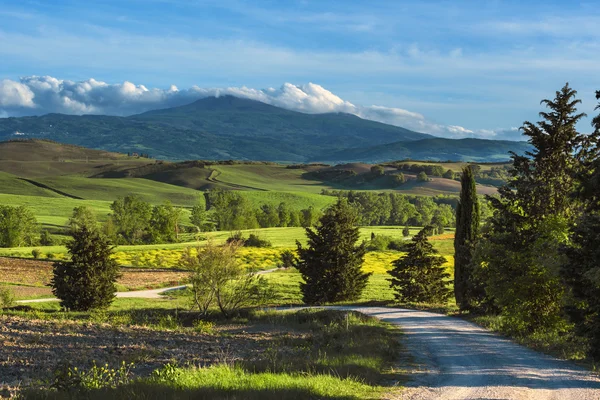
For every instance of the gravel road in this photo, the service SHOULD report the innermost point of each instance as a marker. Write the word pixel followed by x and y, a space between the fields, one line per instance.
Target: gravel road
pixel 460 360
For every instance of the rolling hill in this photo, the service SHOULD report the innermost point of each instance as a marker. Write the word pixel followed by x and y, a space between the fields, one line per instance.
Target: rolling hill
pixel 435 149
pixel 221 128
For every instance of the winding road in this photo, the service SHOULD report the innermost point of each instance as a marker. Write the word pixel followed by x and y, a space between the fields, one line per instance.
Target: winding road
pixel 460 360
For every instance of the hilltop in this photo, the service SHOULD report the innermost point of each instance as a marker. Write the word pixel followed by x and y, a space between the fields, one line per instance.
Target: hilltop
pixel 227 127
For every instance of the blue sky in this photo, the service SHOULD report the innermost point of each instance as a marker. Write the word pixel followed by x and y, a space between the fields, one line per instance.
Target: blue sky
pixel 482 66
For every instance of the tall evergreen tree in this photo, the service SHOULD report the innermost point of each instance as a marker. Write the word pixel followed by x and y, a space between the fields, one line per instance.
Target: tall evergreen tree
pixel 467 231
pixel 88 281
pixel 531 218
pixel 419 276
pixel 331 265
pixel 581 273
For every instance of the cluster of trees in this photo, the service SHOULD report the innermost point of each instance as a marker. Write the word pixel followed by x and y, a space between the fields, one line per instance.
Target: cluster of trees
pixel 537 262
pixel 376 208
pixel 427 169
pixel 331 264
pixel 134 221
pixel 232 211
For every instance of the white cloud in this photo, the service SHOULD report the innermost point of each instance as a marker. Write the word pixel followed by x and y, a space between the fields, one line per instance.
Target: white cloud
pixel 36 95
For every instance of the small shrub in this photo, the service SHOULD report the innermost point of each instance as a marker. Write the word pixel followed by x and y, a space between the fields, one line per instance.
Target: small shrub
pixel 69 378
pixel 255 241
pixel 204 327
pixel 36 253
pixel 288 259
pixel 406 231
pixel 46 239
pixel 236 237
pixel 7 298
pixel 50 256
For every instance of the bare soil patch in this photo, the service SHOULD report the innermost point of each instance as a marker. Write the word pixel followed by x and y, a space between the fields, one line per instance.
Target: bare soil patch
pixel 33 276
pixel 32 349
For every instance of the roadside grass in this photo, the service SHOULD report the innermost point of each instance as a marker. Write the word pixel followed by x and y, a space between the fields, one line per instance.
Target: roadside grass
pixel 565 345
pixel 327 354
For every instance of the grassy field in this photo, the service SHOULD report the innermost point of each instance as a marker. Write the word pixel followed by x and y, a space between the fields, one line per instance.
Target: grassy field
pixel 55 211
pixel 110 189
pixel 279 238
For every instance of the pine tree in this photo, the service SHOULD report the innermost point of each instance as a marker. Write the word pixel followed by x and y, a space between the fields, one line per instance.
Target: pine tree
pixel 88 281
pixel 531 219
pixel 581 273
pixel 331 266
pixel 467 231
pixel 419 276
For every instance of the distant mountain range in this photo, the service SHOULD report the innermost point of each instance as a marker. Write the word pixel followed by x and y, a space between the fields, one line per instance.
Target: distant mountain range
pixel 228 127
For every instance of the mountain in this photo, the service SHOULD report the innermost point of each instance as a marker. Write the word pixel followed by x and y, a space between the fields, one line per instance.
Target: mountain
pixel 435 149
pixel 228 127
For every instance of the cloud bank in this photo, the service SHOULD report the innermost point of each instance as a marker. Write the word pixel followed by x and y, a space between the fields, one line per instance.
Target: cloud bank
pixel 37 95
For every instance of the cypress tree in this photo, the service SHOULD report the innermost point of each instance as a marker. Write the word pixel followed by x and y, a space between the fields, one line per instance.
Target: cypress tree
pixel 331 266
pixel 467 231
pixel 88 281
pixel 419 276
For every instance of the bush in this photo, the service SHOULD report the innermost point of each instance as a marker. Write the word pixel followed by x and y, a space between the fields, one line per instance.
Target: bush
pixel 422 177
pixel 406 232
pixel 7 298
pixel 217 278
pixel 46 239
pixel 255 241
pixel 36 253
pixel 288 259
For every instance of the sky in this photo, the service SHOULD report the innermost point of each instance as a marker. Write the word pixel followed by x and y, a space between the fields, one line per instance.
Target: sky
pixel 449 68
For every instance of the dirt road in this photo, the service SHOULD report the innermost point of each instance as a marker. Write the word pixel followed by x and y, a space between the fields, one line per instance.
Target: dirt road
pixel 460 360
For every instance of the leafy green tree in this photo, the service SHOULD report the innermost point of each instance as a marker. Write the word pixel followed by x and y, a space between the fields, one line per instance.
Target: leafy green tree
pixel 231 211
pixel 449 174
pixel 398 179
pixel 422 177
pixel 331 265
pixel 82 216
pixel 285 215
pixel 198 216
pixel 18 227
pixel 131 217
pixel 466 235
pixel 164 223
pixel 88 281
pixel 46 239
pixel 419 276
pixel 218 278
pixel 309 216
pixel 268 216
pixel 377 170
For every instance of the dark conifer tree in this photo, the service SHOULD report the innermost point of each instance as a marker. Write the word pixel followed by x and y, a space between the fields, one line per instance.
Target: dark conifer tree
pixel 88 281
pixel 467 231
pixel 531 218
pixel 581 273
pixel 419 276
pixel 331 265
